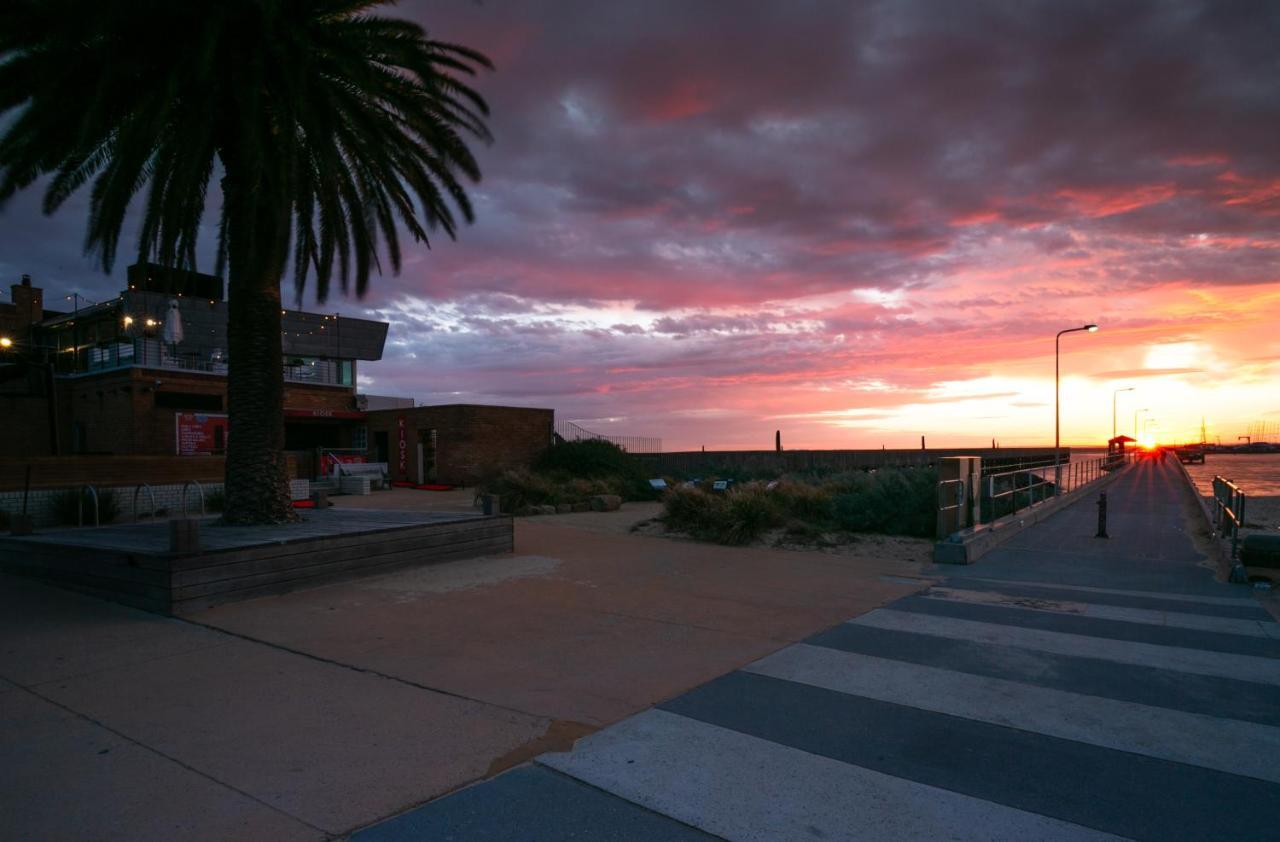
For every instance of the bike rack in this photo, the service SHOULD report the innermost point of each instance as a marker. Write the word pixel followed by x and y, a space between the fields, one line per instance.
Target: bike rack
pixel 138 490
pixel 80 505
pixel 199 488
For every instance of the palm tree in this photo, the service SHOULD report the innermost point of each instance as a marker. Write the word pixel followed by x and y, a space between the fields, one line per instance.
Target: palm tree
pixel 329 127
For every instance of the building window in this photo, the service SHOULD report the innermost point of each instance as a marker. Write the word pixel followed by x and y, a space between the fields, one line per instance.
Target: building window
pixel 360 438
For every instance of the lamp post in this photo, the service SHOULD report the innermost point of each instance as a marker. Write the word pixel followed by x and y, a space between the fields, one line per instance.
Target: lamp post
pixel 1057 416
pixel 1113 407
pixel 1136 412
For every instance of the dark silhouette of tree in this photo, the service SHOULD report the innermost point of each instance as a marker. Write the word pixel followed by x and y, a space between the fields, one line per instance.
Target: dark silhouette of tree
pixel 328 127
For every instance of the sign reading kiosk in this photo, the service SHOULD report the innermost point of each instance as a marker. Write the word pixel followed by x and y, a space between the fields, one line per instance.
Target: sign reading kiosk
pixel 199 433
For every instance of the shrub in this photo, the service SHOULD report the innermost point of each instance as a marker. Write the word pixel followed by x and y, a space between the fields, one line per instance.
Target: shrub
pixel 890 501
pixel 803 501
pixel 694 511
pixel 596 459
pixel 66 506
pixel 519 488
pixel 738 516
pixel 750 512
pixel 593 458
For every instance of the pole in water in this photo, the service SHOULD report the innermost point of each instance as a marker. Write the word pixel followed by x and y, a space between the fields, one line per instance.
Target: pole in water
pixel 1102 516
pixel 922 442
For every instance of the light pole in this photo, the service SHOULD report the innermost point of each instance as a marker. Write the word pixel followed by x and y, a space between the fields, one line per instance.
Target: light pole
pixel 1135 420
pixel 1057 416
pixel 1113 408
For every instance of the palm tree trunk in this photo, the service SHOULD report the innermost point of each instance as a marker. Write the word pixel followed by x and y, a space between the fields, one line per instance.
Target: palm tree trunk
pixel 257 481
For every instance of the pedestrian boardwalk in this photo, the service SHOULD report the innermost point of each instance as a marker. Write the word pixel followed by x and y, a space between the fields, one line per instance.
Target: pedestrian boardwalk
pixel 1064 687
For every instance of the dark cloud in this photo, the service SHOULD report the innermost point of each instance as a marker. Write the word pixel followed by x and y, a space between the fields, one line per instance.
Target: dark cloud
pixel 692 170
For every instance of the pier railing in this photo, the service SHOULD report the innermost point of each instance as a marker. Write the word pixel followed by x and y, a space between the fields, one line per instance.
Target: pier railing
pixel 1009 492
pixel 1228 502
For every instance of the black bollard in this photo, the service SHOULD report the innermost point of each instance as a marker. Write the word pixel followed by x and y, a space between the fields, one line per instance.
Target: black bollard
pixel 1102 516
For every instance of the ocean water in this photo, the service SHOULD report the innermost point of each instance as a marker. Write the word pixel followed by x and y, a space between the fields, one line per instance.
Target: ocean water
pixel 1257 474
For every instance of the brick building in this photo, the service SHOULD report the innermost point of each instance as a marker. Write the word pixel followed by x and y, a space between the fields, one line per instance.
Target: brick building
pixel 457 444
pixel 145 374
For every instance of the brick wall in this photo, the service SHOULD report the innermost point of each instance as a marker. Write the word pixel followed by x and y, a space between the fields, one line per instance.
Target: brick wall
pixel 26 425
pixel 118 413
pixel 472 441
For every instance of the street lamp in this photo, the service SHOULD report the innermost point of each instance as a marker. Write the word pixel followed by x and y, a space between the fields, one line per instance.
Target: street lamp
pixel 1113 408
pixel 1135 420
pixel 1057 418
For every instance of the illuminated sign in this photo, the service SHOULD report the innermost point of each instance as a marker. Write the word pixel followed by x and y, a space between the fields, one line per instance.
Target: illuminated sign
pixel 199 433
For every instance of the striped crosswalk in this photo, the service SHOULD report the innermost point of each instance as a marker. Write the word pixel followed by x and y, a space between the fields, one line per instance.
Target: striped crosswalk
pixel 1031 734
pixel 1027 700
pixel 974 710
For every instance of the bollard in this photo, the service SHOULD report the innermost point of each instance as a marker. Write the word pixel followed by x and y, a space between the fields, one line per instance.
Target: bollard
pixel 490 503
pixel 320 498
pixel 1102 516
pixel 184 535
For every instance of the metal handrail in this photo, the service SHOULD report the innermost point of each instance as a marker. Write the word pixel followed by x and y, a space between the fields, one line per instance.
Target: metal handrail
pixel 1076 476
pixel 150 493
pixel 199 488
pixel 80 505
pixel 961 492
pixel 1228 511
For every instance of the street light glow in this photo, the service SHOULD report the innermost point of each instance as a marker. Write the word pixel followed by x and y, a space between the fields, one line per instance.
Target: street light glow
pixel 1091 328
pixel 6 342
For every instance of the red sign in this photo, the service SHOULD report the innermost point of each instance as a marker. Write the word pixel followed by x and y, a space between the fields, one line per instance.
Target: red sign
pixel 328 461
pixel 404 449
pixel 197 434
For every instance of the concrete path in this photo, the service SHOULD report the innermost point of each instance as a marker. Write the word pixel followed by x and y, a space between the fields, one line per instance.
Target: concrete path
pixel 1064 687
pixel 310 715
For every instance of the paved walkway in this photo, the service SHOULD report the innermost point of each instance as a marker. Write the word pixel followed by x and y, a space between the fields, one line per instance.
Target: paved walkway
pixel 1064 687
pixel 312 714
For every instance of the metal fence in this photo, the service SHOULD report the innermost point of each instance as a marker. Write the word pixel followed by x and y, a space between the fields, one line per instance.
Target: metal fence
pixel 569 431
pixel 1006 493
pixel 1228 517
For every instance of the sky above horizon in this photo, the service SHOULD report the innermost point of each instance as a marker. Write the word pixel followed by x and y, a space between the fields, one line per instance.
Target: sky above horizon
pixel 856 223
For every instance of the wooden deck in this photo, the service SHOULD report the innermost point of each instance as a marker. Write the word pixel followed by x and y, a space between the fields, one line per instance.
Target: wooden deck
pixel 132 564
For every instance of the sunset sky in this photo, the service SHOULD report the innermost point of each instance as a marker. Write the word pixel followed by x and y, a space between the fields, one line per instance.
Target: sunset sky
pixel 853 222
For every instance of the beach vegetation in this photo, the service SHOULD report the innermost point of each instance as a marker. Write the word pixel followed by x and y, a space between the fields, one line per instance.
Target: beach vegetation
pixel 570 472
pixel 890 501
